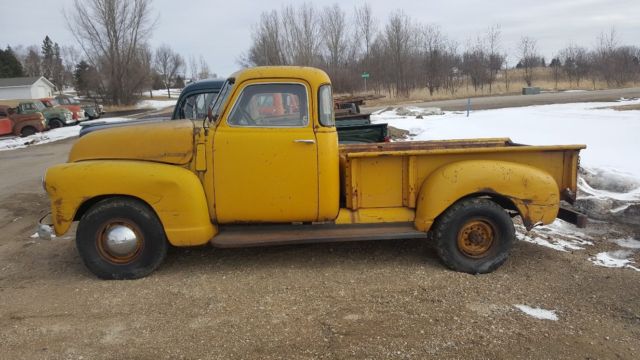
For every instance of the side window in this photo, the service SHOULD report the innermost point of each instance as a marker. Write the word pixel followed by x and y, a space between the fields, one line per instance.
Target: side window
pixel 271 105
pixel 195 106
pixel 325 106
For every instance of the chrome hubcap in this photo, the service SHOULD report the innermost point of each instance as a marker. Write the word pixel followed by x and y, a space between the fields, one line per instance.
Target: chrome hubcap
pixel 121 241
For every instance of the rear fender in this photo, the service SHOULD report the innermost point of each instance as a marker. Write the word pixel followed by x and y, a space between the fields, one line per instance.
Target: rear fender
pixel 174 193
pixel 533 192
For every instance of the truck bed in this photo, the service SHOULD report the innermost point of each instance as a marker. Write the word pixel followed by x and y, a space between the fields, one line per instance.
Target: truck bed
pixel 389 175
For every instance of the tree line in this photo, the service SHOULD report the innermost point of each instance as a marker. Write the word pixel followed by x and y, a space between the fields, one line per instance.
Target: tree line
pixel 403 55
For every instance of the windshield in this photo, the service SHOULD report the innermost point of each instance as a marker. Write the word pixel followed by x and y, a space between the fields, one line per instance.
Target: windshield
pixel 39 105
pixel 73 101
pixel 216 108
pixel 52 102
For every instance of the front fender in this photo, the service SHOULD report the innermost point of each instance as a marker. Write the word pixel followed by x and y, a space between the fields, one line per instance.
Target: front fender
pixel 533 192
pixel 175 194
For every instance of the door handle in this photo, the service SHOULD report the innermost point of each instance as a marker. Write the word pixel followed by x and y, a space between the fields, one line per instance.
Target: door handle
pixel 304 141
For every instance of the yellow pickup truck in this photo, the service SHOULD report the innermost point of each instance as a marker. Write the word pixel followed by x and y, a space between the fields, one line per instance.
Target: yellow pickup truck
pixel 245 177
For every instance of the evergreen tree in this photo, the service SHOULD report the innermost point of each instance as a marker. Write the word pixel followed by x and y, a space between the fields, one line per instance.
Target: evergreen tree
pixel 57 75
pixel 9 64
pixel 47 58
pixel 81 76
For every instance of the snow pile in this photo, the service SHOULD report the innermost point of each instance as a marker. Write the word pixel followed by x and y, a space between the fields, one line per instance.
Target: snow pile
pixel 614 259
pixel 538 313
pixel 156 104
pixel 14 142
pixel 417 112
pixel 560 235
pixel 609 195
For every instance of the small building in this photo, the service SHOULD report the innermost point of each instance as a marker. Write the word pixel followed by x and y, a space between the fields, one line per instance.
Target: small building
pixel 35 87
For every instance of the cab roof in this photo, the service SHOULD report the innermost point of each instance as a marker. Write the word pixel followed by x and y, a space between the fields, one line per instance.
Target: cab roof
pixel 16 102
pixel 314 76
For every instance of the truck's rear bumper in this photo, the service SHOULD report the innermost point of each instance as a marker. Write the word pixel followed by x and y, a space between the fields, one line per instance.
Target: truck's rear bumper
pixel 572 216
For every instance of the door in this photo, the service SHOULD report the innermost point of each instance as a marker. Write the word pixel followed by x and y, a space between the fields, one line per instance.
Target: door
pixel 265 156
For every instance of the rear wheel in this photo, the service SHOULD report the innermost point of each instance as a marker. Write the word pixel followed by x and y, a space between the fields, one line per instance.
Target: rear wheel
pixel 474 236
pixel 121 238
pixel 55 123
pixel 27 131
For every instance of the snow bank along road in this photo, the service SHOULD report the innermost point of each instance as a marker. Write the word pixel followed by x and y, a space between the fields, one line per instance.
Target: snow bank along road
pixel 564 293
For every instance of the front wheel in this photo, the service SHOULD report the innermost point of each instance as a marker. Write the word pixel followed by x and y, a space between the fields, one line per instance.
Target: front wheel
pixel 55 123
pixel 474 236
pixel 121 238
pixel 27 131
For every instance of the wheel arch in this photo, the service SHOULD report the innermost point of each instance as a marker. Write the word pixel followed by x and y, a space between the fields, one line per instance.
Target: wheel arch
pixel 174 194
pixel 530 191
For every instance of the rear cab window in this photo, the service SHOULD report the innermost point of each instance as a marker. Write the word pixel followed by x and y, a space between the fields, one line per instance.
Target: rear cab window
pixel 325 106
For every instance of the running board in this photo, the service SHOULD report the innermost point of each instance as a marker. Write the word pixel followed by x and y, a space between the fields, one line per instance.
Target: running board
pixel 263 235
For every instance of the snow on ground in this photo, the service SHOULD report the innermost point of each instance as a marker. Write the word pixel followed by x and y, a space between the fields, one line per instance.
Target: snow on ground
pixel 560 235
pixel 628 243
pixel 156 104
pixel 611 136
pixel 614 259
pixel 15 142
pixel 163 92
pixel 538 313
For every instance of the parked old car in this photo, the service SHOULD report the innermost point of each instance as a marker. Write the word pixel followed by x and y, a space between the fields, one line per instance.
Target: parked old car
pixel 240 178
pixel 92 110
pixel 78 114
pixel 17 124
pixel 56 116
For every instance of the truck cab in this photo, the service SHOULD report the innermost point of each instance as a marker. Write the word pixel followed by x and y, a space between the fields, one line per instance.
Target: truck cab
pixel 20 124
pixel 55 117
pixel 248 177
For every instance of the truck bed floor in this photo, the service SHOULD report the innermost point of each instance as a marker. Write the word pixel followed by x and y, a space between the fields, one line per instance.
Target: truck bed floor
pixel 263 235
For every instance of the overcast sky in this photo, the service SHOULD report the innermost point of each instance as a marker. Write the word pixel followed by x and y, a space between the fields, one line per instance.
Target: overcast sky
pixel 221 30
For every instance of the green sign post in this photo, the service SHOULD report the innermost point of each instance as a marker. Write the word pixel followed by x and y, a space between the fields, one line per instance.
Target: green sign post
pixel 365 76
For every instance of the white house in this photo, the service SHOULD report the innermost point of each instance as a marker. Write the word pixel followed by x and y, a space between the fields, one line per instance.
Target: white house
pixel 36 87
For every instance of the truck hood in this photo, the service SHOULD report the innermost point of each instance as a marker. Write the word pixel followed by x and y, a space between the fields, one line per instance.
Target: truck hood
pixel 168 142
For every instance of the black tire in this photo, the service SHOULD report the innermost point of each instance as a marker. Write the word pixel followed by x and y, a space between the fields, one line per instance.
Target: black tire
pixel 27 131
pixel 150 250
pixel 55 123
pixel 474 236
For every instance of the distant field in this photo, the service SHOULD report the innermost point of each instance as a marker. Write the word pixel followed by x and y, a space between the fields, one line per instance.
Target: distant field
pixel 543 79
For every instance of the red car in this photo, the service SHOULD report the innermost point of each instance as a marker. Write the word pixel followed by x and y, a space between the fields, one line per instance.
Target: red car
pixel 78 112
pixel 20 124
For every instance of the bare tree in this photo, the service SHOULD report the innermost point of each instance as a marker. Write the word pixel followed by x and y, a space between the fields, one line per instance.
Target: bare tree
pixel 112 34
pixel 576 63
pixel 438 59
pixel 168 63
pixel 366 28
pixel 302 35
pixel 335 42
pixel 400 45
pixel 33 62
pixel 475 63
pixel 266 48
pixel 204 72
pixel 193 68
pixel 529 58
pixel 496 59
